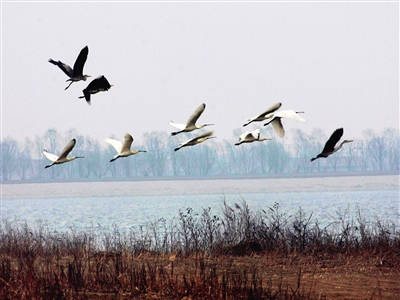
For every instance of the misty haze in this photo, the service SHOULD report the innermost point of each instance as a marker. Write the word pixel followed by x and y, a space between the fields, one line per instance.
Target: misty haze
pixel 199 150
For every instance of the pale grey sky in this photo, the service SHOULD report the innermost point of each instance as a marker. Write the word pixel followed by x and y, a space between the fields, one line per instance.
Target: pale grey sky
pixel 337 61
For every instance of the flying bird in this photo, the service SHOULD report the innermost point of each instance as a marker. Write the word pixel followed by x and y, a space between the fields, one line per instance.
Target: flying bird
pixel 286 114
pixel 56 160
pixel 124 150
pixel 196 140
pixel 75 74
pixel 99 84
pixel 330 144
pixel 250 136
pixel 191 123
pixel 265 115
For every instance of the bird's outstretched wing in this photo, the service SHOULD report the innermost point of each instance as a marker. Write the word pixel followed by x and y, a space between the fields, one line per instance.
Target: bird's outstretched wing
pixel 64 153
pixel 335 137
pixel 127 143
pixel 273 108
pixel 244 135
pixel 64 67
pixel 100 83
pixel 177 125
pixel 277 125
pixel 256 133
pixel 50 156
pixel 80 61
pixel 116 144
pixel 205 134
pixel 264 114
pixel 197 113
pixel 195 140
pixel 103 83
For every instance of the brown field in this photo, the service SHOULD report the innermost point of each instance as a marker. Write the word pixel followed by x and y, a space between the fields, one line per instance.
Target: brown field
pixel 240 255
pixel 117 275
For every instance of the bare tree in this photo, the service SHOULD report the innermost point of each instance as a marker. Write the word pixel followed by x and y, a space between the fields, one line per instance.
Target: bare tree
pixel 176 163
pixel 273 156
pixel 228 158
pixel 24 160
pixel 188 159
pixel 362 157
pixel 392 139
pixel 349 156
pixel 307 147
pixel 157 152
pixel 207 158
pixel 377 149
pixel 9 156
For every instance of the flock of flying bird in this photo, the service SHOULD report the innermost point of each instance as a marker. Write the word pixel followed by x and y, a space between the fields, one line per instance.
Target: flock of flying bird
pixel 101 84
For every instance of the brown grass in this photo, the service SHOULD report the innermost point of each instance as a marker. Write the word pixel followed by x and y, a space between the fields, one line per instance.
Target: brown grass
pixel 239 255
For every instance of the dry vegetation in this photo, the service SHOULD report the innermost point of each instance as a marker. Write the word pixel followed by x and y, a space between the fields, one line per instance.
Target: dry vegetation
pixel 239 255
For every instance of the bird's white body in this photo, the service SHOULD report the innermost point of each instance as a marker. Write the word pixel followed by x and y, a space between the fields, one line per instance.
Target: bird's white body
pixel 191 123
pixel 123 149
pixel 62 158
pixel 250 136
pixel 196 140
pixel 283 114
pixel 265 115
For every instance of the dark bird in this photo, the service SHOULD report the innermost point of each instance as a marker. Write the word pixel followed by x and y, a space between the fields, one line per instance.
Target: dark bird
pixel 99 84
pixel 196 140
pixel 191 122
pixel 330 144
pixel 265 115
pixel 124 150
pixel 62 158
pixel 75 74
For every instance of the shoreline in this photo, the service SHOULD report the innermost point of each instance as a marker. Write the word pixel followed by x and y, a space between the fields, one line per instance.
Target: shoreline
pixel 188 186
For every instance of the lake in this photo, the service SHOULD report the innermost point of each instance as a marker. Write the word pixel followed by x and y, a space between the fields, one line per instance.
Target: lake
pixel 130 204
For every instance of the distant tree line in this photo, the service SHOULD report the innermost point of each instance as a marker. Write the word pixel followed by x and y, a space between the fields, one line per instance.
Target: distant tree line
pixel 25 161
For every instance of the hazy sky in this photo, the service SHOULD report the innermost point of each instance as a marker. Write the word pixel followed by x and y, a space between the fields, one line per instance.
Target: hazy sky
pixel 338 62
